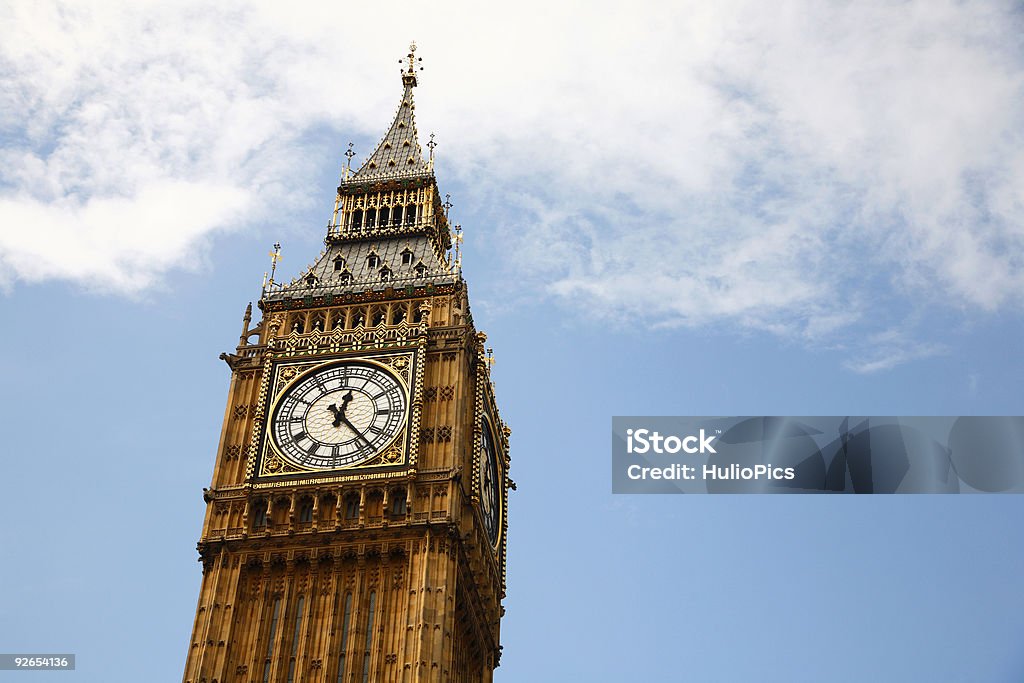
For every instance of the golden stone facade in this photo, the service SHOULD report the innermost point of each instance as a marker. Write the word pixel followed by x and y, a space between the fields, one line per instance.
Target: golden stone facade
pixel 355 526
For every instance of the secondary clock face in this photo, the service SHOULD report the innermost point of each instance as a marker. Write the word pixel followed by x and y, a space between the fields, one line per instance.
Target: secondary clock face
pixel 339 416
pixel 490 498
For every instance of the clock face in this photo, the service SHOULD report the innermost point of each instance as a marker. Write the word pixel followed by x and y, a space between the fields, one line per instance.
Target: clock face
pixel 490 498
pixel 339 416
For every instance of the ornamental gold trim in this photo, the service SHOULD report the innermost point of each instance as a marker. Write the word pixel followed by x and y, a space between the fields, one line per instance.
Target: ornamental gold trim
pixel 265 459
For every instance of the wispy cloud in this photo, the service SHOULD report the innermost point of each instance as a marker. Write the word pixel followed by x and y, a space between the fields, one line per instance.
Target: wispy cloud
pixel 885 350
pixel 791 167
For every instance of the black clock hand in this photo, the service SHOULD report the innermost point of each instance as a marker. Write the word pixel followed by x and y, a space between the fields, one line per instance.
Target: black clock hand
pixel 355 431
pixel 339 413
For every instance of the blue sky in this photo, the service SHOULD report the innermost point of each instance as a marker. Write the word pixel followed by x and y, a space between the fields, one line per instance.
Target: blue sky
pixel 706 209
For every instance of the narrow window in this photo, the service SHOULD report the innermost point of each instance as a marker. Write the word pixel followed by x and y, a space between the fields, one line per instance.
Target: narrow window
pixel 346 278
pixel 259 519
pixel 339 263
pixel 351 508
pixel 357 219
pixel 372 261
pixel 398 504
pixel 344 636
pixel 385 275
pixel 270 640
pixel 421 270
pixel 371 218
pixel 396 215
pixel 385 216
pixel 295 638
pixel 369 637
pixel 417 315
pixel 378 318
pixel 410 214
pixel 397 315
pixel 406 257
pixel 306 511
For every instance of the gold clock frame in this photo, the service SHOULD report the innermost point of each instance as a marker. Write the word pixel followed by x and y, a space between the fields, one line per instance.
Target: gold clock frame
pixel 396 459
pixel 487 422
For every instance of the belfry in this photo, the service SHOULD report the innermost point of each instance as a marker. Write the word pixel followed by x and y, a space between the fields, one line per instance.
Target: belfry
pixel 355 526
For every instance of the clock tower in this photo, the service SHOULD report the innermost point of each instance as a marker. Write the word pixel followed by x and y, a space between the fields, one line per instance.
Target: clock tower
pixel 355 526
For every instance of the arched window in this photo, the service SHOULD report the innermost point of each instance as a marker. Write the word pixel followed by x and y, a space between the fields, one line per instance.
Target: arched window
pixel 369 636
pixel 417 315
pixel 357 219
pixel 295 638
pixel 351 508
pixel 346 620
pixel 306 511
pixel 378 317
pixel 398 504
pixel 259 515
pixel 397 314
pixel 270 639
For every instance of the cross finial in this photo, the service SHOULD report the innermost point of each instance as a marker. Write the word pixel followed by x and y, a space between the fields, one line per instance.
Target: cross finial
pixel 275 256
pixel 409 75
pixel 458 246
pixel 349 153
pixel 447 204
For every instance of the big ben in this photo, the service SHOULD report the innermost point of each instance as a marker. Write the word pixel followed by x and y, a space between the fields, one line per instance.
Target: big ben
pixel 355 526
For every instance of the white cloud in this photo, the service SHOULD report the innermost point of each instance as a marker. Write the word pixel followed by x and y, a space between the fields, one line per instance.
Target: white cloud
pixel 785 166
pixel 891 348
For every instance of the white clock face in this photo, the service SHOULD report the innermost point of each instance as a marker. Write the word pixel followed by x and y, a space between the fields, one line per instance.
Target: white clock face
pixel 339 416
pixel 490 491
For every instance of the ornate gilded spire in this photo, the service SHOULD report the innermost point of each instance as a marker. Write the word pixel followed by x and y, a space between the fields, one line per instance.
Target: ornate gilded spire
pixel 399 153
pixel 409 77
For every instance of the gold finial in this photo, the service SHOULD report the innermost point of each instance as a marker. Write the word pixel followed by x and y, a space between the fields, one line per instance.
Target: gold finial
pixel 409 75
pixel 275 256
pixel 431 145
pixel 348 163
pixel 458 246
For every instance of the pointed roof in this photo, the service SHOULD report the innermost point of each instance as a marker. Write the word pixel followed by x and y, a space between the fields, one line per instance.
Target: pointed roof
pixel 398 154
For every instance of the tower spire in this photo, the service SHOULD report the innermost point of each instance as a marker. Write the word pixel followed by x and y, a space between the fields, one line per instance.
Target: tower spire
pixel 398 154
